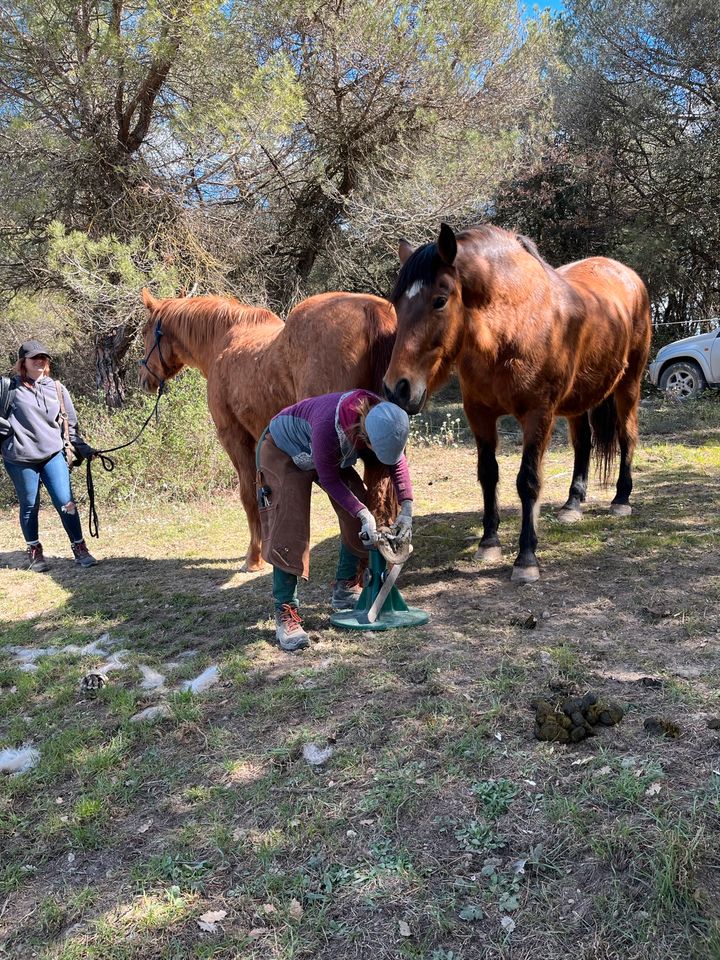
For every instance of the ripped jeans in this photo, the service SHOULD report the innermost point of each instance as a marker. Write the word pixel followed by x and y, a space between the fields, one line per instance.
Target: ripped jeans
pixel 55 476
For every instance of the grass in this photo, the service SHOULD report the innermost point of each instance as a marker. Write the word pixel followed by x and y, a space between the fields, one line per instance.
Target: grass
pixel 439 829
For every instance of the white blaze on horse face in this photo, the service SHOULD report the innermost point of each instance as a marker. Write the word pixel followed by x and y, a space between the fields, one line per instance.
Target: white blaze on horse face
pixel 414 290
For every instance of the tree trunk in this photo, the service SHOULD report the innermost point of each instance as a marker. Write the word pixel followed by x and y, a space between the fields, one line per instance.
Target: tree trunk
pixel 110 349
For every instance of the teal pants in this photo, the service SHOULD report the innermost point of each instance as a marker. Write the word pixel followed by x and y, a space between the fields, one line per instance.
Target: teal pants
pixel 285 584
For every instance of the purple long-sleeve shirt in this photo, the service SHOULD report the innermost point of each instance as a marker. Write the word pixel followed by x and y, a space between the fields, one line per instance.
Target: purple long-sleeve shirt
pixel 314 433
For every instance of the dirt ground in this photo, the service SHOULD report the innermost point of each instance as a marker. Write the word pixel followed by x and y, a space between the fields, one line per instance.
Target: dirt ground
pixel 439 828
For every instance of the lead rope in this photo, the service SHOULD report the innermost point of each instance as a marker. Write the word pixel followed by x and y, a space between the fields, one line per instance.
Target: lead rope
pixel 108 464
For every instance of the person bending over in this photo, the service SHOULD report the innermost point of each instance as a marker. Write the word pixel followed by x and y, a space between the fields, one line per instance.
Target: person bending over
pixel 319 440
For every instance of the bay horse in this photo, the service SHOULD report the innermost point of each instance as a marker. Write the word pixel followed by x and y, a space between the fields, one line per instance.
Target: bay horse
pixel 530 341
pixel 255 364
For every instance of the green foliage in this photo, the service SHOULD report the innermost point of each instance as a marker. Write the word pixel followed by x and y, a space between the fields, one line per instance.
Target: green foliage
pixel 176 459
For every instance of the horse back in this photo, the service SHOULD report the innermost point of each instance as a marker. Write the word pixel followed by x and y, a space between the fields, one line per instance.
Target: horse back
pixel 346 338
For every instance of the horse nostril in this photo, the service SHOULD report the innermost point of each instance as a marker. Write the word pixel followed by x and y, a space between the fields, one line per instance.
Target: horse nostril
pixel 402 392
pixel 387 392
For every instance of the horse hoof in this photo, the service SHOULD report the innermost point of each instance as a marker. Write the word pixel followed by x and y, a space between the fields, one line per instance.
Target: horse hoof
pixel 620 509
pixel 569 516
pixel 488 555
pixel 255 567
pixel 525 574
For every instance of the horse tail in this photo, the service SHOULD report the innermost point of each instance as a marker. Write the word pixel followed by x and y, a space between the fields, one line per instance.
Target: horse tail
pixel 604 423
pixel 381 331
pixel 149 300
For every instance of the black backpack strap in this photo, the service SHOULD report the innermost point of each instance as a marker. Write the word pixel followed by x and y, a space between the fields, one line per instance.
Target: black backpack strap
pixel 8 386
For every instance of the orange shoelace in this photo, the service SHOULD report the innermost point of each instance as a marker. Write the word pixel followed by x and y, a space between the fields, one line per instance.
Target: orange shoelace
pixel 291 619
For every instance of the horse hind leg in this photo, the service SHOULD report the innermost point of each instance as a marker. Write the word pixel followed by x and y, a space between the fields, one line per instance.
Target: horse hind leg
pixel 581 437
pixel 240 447
pixel 627 398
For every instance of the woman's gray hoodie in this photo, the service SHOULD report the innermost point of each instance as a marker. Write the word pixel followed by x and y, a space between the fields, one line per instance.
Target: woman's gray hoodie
pixel 35 420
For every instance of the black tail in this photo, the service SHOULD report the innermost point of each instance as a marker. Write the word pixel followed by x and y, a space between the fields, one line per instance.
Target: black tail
pixel 382 328
pixel 604 423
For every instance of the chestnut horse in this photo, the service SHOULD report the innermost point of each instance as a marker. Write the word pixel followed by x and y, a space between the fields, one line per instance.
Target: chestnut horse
pixel 255 365
pixel 530 341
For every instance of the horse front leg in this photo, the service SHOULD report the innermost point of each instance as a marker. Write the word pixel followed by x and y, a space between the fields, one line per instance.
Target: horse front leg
pixel 537 427
pixel 581 437
pixel 483 423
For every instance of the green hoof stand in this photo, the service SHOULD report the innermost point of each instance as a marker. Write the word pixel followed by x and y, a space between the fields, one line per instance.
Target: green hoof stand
pixel 394 612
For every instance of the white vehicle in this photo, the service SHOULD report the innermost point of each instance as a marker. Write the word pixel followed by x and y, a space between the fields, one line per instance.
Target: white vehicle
pixel 684 368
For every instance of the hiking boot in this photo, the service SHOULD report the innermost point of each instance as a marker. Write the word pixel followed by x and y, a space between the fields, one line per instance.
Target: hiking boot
pixel 38 563
pixel 345 595
pixel 83 555
pixel 288 629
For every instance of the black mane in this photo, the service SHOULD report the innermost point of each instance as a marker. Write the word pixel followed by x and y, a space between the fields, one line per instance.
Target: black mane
pixel 422 265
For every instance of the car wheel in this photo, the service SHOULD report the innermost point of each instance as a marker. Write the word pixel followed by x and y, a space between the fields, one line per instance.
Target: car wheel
pixel 683 380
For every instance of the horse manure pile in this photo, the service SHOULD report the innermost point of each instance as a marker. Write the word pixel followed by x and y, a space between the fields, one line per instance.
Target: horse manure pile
pixel 574 718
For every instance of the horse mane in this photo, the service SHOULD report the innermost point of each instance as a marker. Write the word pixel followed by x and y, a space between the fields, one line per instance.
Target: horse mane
pixel 423 264
pixel 199 319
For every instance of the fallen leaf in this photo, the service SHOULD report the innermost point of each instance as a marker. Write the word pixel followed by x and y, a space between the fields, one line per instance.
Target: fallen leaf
pixel 295 910
pixel 581 762
pixel 518 866
pixel 208 921
pixel 508 924
pixel 256 933
pixel 653 789
pixel 145 827
pixel 603 771
pixel 366 823
pixel 269 908
pixel 404 929
pixel 498 736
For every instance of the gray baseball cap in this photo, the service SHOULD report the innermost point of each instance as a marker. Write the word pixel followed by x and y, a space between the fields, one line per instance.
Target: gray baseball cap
pixel 33 348
pixel 387 427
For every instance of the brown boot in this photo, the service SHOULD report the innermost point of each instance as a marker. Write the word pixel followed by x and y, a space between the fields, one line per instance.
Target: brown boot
pixel 83 555
pixel 38 563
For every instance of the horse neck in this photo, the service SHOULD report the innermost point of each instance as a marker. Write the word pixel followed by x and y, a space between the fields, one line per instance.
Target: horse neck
pixel 196 346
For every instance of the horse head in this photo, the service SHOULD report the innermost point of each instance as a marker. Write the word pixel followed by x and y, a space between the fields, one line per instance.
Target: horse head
pixel 428 301
pixel 161 361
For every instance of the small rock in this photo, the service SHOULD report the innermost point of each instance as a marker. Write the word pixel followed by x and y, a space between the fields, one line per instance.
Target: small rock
pixel 714 723
pixel 152 713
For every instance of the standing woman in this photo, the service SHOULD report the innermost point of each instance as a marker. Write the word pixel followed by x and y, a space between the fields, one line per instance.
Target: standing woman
pixel 33 451
pixel 319 440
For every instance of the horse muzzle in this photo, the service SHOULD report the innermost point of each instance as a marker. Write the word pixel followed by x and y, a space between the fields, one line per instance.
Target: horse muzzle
pixel 404 395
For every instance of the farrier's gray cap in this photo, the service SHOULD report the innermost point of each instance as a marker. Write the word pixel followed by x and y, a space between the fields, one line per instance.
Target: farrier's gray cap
pixel 33 348
pixel 387 427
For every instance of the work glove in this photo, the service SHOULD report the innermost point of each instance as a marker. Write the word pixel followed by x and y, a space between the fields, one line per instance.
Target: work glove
pixel 368 530
pixel 402 528
pixel 5 427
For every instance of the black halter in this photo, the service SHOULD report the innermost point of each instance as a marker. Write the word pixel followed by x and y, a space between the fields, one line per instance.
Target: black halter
pixel 156 346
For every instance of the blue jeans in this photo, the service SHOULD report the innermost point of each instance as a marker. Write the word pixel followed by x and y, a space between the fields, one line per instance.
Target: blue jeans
pixel 55 476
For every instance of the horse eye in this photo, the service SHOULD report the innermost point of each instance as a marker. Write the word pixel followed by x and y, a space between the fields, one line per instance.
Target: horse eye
pixel 439 303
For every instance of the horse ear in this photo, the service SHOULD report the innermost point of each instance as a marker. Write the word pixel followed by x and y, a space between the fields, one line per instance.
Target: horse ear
pixel 405 251
pixel 148 299
pixel 447 244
